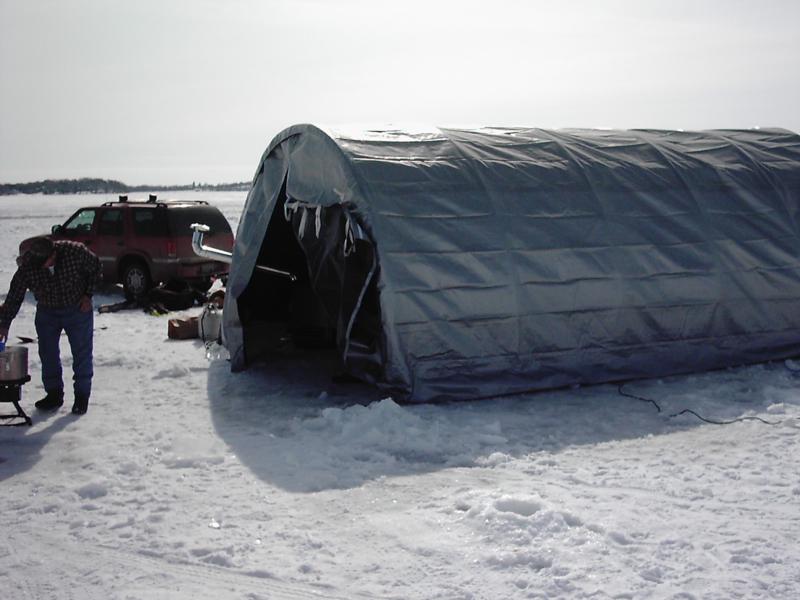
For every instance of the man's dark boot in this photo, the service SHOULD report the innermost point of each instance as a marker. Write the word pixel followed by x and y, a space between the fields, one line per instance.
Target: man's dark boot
pixel 52 401
pixel 80 405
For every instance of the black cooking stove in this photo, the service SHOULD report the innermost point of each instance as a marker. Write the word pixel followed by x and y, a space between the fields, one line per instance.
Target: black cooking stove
pixel 11 391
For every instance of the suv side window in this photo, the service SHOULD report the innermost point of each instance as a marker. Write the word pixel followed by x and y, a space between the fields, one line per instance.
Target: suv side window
pixel 150 222
pixel 81 222
pixel 110 222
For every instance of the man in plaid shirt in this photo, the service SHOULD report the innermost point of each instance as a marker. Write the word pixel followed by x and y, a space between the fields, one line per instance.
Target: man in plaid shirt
pixel 62 277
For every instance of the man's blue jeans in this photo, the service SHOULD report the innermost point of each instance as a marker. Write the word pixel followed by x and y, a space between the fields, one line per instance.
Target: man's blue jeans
pixel 79 327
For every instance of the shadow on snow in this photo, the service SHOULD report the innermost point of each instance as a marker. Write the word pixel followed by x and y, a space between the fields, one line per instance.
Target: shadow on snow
pixel 295 429
pixel 30 441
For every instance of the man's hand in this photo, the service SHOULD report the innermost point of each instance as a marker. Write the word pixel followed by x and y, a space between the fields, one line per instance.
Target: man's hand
pixel 85 304
pixel 3 334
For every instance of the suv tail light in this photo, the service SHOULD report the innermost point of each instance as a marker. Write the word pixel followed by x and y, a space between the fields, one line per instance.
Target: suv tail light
pixel 172 248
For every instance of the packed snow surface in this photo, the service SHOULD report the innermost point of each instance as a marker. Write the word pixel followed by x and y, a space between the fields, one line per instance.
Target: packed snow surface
pixel 187 481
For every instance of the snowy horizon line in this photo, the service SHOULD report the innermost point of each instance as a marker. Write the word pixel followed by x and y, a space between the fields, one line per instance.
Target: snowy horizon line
pixel 103 185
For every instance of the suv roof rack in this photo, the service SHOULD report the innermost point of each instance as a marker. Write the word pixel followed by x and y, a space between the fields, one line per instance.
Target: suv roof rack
pixel 153 200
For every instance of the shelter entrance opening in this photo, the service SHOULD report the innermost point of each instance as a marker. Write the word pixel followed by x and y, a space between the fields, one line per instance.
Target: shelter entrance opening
pixel 331 306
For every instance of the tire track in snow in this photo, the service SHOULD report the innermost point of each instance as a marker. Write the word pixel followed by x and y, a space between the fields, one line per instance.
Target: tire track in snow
pixel 19 577
pixel 73 564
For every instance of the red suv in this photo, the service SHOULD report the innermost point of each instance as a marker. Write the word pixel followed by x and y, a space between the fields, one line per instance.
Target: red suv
pixel 142 243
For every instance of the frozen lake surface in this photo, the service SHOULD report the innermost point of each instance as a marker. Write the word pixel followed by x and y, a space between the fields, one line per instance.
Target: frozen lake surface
pixel 187 481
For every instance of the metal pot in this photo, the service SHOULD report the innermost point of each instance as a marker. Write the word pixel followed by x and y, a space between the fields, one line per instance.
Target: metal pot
pixel 13 363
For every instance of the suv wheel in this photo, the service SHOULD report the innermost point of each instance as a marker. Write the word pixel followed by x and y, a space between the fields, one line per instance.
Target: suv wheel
pixel 135 280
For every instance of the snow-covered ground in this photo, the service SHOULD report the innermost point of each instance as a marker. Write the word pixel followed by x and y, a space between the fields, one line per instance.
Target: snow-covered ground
pixel 187 481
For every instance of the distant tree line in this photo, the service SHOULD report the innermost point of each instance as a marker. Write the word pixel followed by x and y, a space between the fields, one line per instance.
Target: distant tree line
pixel 91 185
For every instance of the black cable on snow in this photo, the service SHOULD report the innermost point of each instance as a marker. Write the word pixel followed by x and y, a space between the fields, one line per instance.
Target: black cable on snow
pixel 622 392
pixel 702 418
pixel 635 397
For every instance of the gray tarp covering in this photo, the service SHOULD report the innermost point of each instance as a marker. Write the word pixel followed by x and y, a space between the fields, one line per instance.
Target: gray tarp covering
pixel 519 259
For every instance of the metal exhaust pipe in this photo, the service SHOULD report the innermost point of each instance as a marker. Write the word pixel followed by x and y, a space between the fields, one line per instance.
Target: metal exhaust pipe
pixel 201 249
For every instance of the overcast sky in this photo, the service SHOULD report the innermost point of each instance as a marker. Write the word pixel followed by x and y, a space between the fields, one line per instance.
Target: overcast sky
pixel 174 91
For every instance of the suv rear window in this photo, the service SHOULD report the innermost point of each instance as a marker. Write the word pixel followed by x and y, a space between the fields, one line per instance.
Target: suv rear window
pixel 150 222
pixel 181 218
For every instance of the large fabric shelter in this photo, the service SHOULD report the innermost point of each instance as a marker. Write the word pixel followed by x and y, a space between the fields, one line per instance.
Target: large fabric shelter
pixel 456 264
